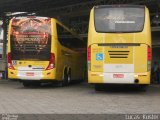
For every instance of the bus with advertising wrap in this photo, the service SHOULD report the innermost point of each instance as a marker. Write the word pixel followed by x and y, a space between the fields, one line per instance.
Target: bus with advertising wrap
pixel 41 49
pixel 119 45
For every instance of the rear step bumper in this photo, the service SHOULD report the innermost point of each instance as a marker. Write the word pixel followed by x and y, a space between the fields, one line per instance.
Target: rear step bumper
pixel 119 78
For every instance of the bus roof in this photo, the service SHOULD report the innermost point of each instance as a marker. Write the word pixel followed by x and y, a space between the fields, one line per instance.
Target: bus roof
pixel 22 17
pixel 120 5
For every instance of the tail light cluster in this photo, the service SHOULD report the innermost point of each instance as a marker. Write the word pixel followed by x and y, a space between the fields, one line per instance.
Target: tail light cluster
pixel 89 57
pixel 51 64
pixel 149 57
pixel 10 65
pixel 149 54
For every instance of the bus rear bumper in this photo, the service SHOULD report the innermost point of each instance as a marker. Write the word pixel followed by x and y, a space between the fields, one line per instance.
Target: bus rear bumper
pixel 119 78
pixel 32 75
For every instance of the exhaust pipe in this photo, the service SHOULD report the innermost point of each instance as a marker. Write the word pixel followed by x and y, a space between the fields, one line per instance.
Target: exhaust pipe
pixel 136 81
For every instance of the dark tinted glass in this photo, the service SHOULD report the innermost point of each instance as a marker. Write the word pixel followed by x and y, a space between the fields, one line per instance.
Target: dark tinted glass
pixel 67 39
pixel 119 19
pixel 31 38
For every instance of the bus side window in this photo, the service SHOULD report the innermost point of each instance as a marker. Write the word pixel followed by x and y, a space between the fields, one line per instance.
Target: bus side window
pixel 76 44
pixel 69 40
pixel 62 35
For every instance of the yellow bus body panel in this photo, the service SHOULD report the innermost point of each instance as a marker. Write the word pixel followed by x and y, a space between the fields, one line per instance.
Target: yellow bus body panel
pixel 76 62
pixel 136 55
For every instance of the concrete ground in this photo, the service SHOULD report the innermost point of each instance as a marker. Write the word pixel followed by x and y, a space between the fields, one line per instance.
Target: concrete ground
pixel 78 98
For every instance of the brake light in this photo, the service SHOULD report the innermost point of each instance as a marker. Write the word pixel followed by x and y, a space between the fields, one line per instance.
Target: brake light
pixel 149 58
pixel 10 66
pixel 89 53
pixel 149 54
pixel 89 57
pixel 51 62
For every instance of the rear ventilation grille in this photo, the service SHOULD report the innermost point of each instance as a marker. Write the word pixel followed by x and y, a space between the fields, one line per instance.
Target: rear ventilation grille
pixel 118 54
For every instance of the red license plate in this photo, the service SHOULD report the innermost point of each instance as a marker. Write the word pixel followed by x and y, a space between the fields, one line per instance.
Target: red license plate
pixel 118 75
pixel 29 74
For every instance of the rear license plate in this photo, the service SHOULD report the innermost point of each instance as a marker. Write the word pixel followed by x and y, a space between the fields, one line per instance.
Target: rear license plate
pixel 29 74
pixel 118 75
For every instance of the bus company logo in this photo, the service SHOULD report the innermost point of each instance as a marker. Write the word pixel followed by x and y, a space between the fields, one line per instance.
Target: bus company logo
pixel 99 56
pixel 113 17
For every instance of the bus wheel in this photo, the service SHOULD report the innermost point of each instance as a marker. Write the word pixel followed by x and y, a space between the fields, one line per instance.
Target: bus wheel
pixel 26 84
pixel 99 87
pixel 65 79
pixel 69 77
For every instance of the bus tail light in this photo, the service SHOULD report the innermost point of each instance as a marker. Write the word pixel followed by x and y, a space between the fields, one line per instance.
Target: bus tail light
pixel 10 65
pixel 149 54
pixel 51 62
pixel 89 57
pixel 149 58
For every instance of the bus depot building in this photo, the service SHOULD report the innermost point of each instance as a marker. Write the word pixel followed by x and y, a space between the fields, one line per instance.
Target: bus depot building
pixel 73 58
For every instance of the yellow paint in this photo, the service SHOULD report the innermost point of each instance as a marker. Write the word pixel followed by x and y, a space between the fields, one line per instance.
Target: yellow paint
pixel 137 55
pixel 75 62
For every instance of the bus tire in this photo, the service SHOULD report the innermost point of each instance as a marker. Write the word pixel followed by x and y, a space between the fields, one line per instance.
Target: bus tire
pixel 65 79
pixel 98 87
pixel 26 84
pixel 69 76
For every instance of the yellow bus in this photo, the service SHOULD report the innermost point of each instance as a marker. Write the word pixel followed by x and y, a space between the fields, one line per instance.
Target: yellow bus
pixel 119 45
pixel 41 49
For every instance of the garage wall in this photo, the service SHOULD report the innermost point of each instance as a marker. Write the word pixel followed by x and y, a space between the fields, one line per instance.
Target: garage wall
pixel 156 46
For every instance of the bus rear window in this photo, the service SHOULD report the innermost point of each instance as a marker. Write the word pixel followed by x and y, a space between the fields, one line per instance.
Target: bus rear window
pixel 119 19
pixel 30 38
